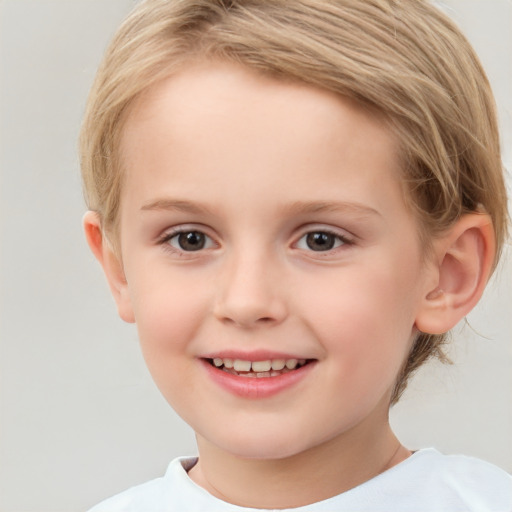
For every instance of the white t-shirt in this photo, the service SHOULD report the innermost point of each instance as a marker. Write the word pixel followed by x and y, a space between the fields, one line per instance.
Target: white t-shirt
pixel 425 482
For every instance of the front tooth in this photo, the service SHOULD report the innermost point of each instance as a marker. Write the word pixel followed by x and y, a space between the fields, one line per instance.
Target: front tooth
pixel 261 366
pixel 217 361
pixel 242 366
pixel 278 364
pixel 291 364
pixel 228 363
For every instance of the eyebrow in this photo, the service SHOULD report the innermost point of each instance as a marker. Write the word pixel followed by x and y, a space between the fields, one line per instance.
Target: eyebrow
pixel 305 207
pixel 175 205
pixel 296 208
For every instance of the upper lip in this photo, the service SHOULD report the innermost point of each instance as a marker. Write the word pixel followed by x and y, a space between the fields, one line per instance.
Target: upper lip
pixel 254 355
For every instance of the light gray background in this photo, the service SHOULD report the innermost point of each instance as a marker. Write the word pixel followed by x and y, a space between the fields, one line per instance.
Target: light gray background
pixel 80 417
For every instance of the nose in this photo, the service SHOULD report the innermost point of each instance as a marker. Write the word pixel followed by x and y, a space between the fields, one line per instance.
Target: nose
pixel 250 292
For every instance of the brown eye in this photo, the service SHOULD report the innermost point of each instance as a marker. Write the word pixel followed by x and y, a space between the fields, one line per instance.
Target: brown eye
pixel 189 241
pixel 321 241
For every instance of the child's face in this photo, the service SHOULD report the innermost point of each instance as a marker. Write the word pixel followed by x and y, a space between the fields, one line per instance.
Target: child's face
pixel 264 221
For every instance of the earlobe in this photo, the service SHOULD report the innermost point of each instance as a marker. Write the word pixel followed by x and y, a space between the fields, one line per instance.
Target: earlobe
pixel 110 263
pixel 463 262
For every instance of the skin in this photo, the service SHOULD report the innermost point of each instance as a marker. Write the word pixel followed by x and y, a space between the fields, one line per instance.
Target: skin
pixel 256 165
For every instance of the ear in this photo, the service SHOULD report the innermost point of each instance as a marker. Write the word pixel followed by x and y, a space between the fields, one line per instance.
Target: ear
pixel 463 259
pixel 112 266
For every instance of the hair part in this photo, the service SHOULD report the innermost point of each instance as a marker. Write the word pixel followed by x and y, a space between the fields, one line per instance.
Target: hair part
pixel 405 60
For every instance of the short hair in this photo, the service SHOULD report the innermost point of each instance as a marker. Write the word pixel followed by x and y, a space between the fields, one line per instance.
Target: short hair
pixel 405 60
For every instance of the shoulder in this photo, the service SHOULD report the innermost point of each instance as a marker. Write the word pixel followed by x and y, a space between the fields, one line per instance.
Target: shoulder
pixel 456 482
pixel 458 470
pixel 429 481
pixel 156 495
pixel 141 497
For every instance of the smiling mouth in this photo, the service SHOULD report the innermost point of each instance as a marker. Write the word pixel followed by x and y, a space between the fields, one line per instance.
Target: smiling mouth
pixel 258 369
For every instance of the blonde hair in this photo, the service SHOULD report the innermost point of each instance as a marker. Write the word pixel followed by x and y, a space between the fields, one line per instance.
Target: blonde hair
pixel 403 59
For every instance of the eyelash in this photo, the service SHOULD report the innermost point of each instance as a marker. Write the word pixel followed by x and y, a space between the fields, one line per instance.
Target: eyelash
pixel 339 240
pixel 165 240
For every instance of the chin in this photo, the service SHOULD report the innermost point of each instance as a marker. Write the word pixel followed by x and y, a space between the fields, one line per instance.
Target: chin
pixel 270 446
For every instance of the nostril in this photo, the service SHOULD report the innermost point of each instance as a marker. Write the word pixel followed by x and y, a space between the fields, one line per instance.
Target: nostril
pixel 249 309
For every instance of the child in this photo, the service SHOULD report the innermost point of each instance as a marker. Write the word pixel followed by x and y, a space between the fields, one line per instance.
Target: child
pixel 294 201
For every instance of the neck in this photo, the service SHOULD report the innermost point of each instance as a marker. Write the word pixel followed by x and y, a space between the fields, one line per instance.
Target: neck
pixel 313 475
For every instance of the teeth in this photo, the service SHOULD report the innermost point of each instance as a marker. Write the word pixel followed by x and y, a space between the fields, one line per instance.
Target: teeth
pixel 268 368
pixel 278 364
pixel 242 366
pixel 261 366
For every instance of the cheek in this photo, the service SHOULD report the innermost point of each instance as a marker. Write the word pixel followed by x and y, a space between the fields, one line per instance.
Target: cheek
pixel 168 312
pixel 364 320
pixel 168 318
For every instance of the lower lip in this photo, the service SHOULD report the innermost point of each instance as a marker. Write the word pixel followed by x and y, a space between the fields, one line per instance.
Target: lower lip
pixel 257 387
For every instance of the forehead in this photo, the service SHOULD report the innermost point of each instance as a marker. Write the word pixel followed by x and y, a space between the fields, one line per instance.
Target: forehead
pixel 215 116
